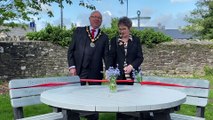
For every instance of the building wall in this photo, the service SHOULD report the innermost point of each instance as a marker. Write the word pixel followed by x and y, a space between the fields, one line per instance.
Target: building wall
pixel 37 59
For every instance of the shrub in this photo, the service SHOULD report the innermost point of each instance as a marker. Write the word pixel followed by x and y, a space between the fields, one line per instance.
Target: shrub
pixel 62 36
pixel 54 34
pixel 150 37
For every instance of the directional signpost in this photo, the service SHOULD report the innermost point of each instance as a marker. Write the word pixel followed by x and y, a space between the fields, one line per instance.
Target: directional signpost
pixel 139 18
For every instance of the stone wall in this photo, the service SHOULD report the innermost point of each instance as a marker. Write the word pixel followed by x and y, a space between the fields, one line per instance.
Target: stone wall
pixel 179 57
pixel 31 59
pixel 36 59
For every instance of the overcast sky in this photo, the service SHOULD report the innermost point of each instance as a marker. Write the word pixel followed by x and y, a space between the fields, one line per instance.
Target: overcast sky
pixel 169 13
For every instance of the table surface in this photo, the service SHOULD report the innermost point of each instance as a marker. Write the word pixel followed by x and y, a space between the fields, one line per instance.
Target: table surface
pixel 126 99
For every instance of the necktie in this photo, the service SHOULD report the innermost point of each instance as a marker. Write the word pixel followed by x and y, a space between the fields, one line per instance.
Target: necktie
pixel 93 33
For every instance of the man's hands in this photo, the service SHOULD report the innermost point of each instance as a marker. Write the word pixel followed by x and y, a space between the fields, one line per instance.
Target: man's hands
pixel 72 71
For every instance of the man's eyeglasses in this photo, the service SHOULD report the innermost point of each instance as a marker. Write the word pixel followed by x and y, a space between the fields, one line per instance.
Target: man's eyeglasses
pixel 96 17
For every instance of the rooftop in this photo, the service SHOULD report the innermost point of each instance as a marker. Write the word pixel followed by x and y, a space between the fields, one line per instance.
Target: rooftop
pixel 16 31
pixel 174 33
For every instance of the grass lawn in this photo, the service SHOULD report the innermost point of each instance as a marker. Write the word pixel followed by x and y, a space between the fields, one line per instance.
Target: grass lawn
pixel 6 112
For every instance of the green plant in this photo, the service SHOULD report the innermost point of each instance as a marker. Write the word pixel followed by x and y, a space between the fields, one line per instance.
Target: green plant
pixel 110 32
pixel 54 34
pixel 63 36
pixel 150 37
pixel 1 82
pixel 208 71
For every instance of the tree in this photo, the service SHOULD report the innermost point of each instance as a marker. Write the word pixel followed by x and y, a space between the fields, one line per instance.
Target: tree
pixel 201 20
pixel 23 10
pixel 207 23
pixel 11 10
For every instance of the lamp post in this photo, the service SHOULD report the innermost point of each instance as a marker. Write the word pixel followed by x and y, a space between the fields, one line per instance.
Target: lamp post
pixel 61 13
pixel 127 7
pixel 138 13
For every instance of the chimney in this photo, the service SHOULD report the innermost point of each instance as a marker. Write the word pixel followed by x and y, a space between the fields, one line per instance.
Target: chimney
pixel 161 27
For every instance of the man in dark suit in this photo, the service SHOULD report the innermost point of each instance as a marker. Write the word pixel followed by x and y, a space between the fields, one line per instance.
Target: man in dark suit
pixel 85 54
pixel 88 49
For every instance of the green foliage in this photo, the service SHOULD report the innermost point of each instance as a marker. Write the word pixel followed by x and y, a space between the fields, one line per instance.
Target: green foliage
pixel 114 23
pixel 150 37
pixel 207 32
pixel 201 20
pixel 18 10
pixel 36 110
pixel 107 116
pixel 113 31
pixel 87 5
pixel 208 71
pixel 54 34
pixel 5 108
pixel 110 32
pixel 62 36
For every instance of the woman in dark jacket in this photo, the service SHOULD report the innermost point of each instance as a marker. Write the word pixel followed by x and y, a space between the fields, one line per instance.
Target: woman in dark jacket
pixel 126 54
pixel 125 51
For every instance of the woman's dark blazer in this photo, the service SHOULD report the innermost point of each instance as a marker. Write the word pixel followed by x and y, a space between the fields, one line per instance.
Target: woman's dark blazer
pixel 77 49
pixel 117 55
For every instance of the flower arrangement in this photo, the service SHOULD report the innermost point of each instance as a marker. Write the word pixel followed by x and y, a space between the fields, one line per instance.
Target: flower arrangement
pixel 137 75
pixel 111 75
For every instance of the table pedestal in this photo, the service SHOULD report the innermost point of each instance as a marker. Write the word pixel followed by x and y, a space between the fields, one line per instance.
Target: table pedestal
pixel 162 115
pixel 75 115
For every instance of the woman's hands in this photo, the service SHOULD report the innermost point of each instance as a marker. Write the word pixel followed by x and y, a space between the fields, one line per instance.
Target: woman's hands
pixel 128 68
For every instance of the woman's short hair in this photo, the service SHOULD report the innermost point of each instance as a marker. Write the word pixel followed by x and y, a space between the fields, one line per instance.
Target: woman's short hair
pixel 125 21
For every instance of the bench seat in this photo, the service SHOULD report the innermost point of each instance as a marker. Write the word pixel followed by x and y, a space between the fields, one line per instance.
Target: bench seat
pixel 48 116
pixel 197 95
pixel 175 116
pixel 26 92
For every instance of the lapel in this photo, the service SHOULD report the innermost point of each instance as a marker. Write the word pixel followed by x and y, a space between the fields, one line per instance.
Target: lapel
pixel 98 37
pixel 86 35
pixel 130 47
pixel 120 48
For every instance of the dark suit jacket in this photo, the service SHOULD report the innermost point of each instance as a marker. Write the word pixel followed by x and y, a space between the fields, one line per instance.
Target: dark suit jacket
pixel 117 54
pixel 79 47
